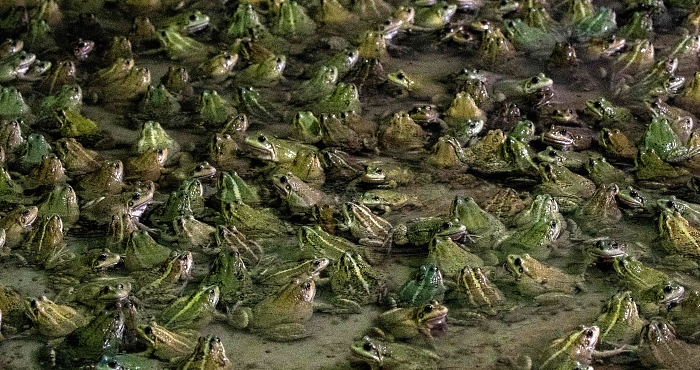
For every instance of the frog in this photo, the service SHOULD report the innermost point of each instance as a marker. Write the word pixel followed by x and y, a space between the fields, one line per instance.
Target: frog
pixel 382 200
pixel 314 241
pixel 385 175
pixel 107 180
pixel 602 172
pixel 53 320
pixel 163 283
pixel 10 47
pixel 187 23
pixel 386 355
pixel 158 103
pixel 272 149
pixel 153 136
pixel 345 97
pixel 447 152
pixel 256 103
pixel 17 223
pixel 129 88
pixel 98 293
pixel 282 274
pixel 650 286
pixel 563 56
pixel 177 81
pixel 127 361
pixel 639 57
pixel 196 310
pixel 640 26
pixel 264 74
pixel 280 316
pixel 16 66
pixel 425 285
pixel 11 138
pixel 332 14
pixel 230 274
pixel 414 86
pixel 45 243
pixel 535 237
pixel 232 188
pixel 422 230
pixel 602 47
pixel 542 282
pixel 402 133
pixel 213 109
pixel 569 138
pixel 449 256
pixel 601 211
pixel 181 47
pixel 335 133
pixel 482 226
pixel 575 351
pixel 13 104
pixel 208 353
pixel 119 47
pixel 635 201
pixel 143 252
pixel 131 203
pixel 252 221
pixel 306 127
pixel 568 188
pixel 147 166
pixel 435 17
pixel 619 320
pixel 418 322
pixel 520 88
pixel 650 167
pixel 101 336
pixel 321 84
pixel 292 21
pixel 485 155
pixel 369 229
pixel 74 124
pixel 70 97
pixel 298 196
pixel 354 283
pixel 191 232
pixel 616 144
pixel 688 97
pixel 243 20
pixel 660 137
pixel 163 343
pixel 473 290
pixel 659 347
pixel 495 48
pixel 506 203
pixel 575 161
pixel 677 235
pixel 463 107
pixel 9 189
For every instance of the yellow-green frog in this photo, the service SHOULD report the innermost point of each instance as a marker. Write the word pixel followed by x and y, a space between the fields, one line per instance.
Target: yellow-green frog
pixel 449 256
pixel 408 323
pixel 193 311
pixel 402 133
pixel 179 47
pixel 568 188
pixel 540 281
pixel 575 351
pixel 281 316
pixel 386 355
pixel 163 343
pixel 266 73
pixel 17 223
pixel 369 229
pixel 53 320
pixel 473 290
pixel 619 320
pixel 659 348
pixel 164 283
pixel 209 353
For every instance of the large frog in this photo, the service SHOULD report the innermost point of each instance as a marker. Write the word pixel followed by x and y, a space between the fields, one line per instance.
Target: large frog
pixel 519 89
pixel 619 321
pixel 473 290
pixel 209 353
pixel 601 211
pixel 51 319
pixel 354 283
pixel 281 316
pixel 449 256
pixel 660 348
pixel 568 188
pixel 542 282
pixel 381 355
pixel 17 223
pixel 421 322
pixel 575 351
pixel 196 310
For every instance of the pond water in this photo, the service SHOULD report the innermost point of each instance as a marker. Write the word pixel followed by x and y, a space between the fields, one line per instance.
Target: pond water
pixel 521 326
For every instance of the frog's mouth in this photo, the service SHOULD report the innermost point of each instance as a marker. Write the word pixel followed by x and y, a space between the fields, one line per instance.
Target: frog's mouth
pixel 558 137
pixel 437 325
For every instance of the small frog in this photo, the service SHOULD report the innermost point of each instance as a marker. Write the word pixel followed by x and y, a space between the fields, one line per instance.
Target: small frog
pixel 542 282
pixel 209 353
pixel 51 319
pixel 393 355
pixel 408 323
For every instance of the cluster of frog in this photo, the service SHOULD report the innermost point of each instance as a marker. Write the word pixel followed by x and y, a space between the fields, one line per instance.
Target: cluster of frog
pixel 147 241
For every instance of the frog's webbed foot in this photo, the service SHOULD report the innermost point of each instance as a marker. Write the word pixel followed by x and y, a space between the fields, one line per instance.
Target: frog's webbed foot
pixel 286 332
pixel 237 316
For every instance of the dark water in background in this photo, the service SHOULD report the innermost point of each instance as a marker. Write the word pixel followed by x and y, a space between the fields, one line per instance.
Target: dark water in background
pixel 521 330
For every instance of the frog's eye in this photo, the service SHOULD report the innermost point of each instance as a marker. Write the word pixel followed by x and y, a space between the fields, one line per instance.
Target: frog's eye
pixel 446 225
pixel 668 289
pixel 25 212
pixel 113 364
pixel 376 198
pixel 198 168
pixel 535 80
pixel 130 204
pixel 288 187
pixel 589 333
pixel 283 180
pixel 120 286
pixel 400 76
pixel 193 17
pixel 102 257
pixel 428 308
pixel 33 303
pixel 148 330
pixel 518 262
pixel 105 289
pixel 379 171
pixel 368 346
pixel 553 224
pixel 163 33
pixel 598 104
pixel 307 286
pixel 262 138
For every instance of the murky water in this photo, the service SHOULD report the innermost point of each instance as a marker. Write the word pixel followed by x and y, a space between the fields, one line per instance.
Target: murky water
pixel 492 342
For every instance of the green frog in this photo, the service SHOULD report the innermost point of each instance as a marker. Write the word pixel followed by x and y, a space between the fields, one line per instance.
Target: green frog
pixel 196 310
pixel 188 22
pixel 381 355
pixel 280 316
pixel 298 196
pixel 495 48
pixel 602 172
pixel 315 241
pixel 282 274
pixel 153 136
pixel 230 274
pixel 77 159
pixel 436 16
pixel 660 137
pixel 619 320
pixel 158 103
pixel 601 211
pixel 449 256
pixel 232 188
pixel 101 336
pixel 147 166
pixel 292 21
pixel 252 221
pixel 107 180
pixel 385 174
pixel 408 323
pixel 143 252
pixel 616 144
pixel 606 114
pixel 354 283
pixel 266 73
pixel 307 128
pixel 660 348
pixel 517 89
pixel 384 199
pixel 473 290
pixel 574 161
pixel 192 233
pixel 177 81
pixel 484 227
pixel 243 20
pixel 402 133
pixel 540 281
pixel 463 107
pixel 127 361
pixel 446 153
pixel 639 57
pixel 575 351
pixel 35 148
pixel 271 149
pixel 602 47
pixel 98 293
pixel 426 285
pixel 651 287
pixel 413 85
pixel 213 109
pixel 164 283
pixel 17 223
pixel 321 84
pixel 506 203
pixel 568 138
pixel 209 353
pixel 690 95
pixel 344 97
pixel 568 188
pixel 422 230
pixel 369 229
pixel 119 47
pixel 677 235
pixel 45 243
pixel 163 343
pixel 639 27
pixel 70 97
pixel 53 320
pixel 180 47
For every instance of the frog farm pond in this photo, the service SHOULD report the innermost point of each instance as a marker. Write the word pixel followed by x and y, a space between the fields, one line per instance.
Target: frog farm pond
pixel 349 184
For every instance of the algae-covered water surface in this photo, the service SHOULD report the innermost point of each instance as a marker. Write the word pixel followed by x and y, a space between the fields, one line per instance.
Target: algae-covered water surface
pixel 349 184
